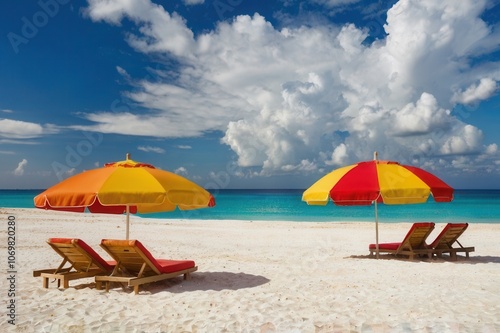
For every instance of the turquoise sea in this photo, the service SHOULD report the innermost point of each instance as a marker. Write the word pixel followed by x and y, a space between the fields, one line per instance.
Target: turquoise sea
pixel 480 206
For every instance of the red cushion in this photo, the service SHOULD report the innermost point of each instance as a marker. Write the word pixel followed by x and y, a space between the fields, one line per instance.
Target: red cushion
pixel 162 265
pixel 385 246
pixel 108 265
pixel 395 246
pixel 165 265
pixel 170 266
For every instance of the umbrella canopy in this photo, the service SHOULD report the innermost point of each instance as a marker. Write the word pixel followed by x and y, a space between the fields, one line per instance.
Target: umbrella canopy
pixel 125 187
pixel 377 181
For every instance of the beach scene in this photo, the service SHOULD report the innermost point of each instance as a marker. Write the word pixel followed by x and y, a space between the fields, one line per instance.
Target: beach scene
pixel 236 166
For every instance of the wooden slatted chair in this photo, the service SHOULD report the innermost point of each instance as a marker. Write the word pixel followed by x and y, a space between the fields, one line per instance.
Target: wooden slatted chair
pixel 413 244
pixel 447 238
pixel 82 259
pixel 135 265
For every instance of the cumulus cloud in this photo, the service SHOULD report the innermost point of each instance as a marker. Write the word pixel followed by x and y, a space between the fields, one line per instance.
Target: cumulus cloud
pixel 19 171
pixel 421 118
pixel 476 92
pixel 300 98
pixel 181 171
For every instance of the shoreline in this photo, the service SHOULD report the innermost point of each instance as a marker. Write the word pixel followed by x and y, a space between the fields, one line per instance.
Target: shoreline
pixel 382 220
pixel 258 276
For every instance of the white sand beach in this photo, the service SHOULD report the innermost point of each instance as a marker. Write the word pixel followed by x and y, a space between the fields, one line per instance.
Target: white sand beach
pixel 255 277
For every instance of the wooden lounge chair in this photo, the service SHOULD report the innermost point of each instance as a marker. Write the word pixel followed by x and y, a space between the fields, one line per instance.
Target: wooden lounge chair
pixel 413 244
pixel 135 265
pixel 83 261
pixel 449 236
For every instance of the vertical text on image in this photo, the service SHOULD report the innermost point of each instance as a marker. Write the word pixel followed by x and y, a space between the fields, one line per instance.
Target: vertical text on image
pixel 11 270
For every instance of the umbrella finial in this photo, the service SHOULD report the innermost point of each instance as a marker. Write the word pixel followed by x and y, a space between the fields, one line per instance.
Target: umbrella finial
pixel 128 156
pixel 375 156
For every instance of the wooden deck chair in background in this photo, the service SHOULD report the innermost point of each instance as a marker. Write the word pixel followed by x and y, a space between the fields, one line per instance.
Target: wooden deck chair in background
pixel 413 243
pixel 135 265
pixel 447 238
pixel 82 259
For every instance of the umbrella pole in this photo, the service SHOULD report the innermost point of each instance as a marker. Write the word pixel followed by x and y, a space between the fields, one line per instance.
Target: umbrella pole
pixel 128 223
pixel 375 157
pixel 376 226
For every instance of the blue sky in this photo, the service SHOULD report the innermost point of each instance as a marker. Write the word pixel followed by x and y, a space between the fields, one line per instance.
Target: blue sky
pixel 248 94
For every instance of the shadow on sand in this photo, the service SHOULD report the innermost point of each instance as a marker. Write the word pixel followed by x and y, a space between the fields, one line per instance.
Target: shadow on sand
pixel 219 281
pixel 460 260
pixel 216 281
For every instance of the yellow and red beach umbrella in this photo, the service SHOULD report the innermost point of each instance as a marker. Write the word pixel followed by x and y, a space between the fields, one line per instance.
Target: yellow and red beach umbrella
pixel 125 187
pixel 375 182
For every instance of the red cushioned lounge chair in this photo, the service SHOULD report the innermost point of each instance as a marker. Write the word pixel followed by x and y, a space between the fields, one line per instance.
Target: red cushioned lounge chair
pixel 83 261
pixel 447 238
pixel 413 244
pixel 135 265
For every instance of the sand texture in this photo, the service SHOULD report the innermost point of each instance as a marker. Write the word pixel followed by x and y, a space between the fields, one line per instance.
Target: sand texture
pixel 256 277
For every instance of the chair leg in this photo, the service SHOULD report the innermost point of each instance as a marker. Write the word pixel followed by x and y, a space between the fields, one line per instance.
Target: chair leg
pixel 45 282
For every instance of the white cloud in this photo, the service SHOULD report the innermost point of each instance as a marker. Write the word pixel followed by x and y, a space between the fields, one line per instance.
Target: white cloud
pixel 16 129
pixel 334 3
pixel 466 140
pixel 64 173
pixel 148 149
pixel 193 2
pixel 19 171
pixel 7 111
pixel 184 147
pixel 302 98
pixel 476 92
pixel 424 117
pixel 122 72
pixel 181 171
pixel 160 31
pixel 339 155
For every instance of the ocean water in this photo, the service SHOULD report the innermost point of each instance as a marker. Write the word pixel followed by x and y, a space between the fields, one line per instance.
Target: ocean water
pixel 480 206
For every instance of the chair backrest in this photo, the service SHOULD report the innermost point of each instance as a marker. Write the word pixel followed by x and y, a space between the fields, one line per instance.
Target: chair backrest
pixel 449 235
pixel 416 236
pixel 132 255
pixel 79 254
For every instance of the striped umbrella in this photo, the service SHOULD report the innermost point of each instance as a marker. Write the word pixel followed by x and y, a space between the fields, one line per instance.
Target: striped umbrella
pixel 376 182
pixel 125 187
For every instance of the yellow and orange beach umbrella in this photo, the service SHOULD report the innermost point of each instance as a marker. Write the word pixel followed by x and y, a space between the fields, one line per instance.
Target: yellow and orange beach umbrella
pixel 376 182
pixel 125 187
